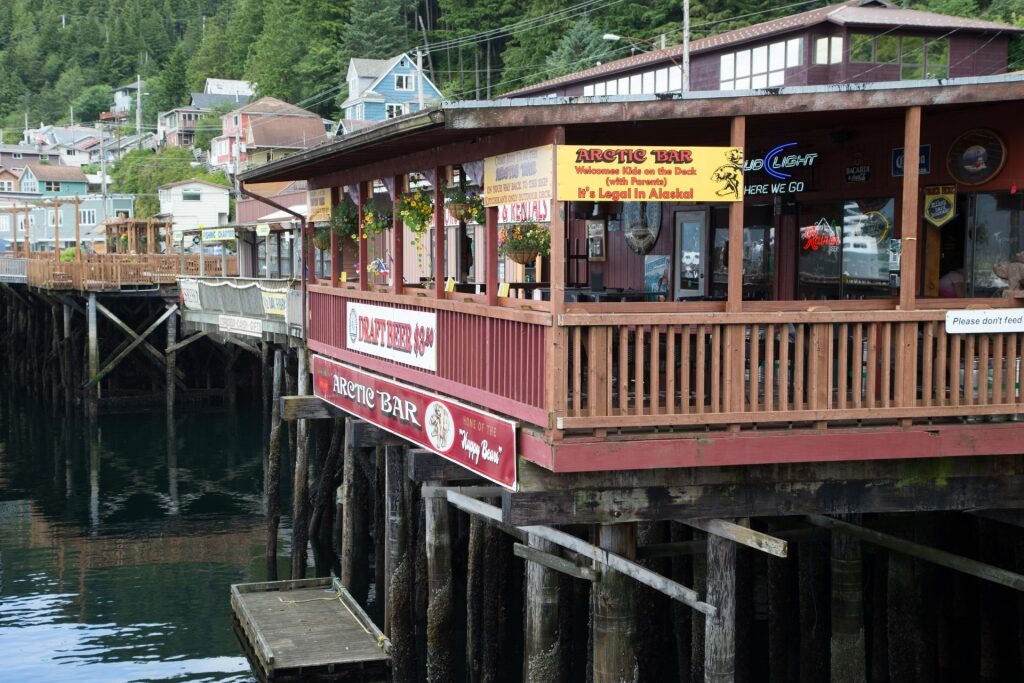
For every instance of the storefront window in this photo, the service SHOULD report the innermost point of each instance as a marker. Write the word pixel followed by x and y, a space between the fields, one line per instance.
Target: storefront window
pixel 844 249
pixel 758 253
pixel 994 223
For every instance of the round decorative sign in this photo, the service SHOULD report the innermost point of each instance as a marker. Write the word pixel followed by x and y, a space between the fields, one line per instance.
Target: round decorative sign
pixel 641 224
pixel 976 157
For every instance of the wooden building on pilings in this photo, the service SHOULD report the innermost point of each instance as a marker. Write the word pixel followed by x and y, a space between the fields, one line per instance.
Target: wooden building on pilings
pixel 787 362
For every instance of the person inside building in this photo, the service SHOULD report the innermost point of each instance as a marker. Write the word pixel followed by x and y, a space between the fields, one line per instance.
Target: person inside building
pixel 951 285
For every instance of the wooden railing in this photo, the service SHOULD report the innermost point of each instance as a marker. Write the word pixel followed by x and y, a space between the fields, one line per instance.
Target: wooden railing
pixel 493 356
pixel 104 272
pixel 823 368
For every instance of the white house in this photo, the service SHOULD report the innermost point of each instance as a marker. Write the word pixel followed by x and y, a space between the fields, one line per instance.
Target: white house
pixel 194 203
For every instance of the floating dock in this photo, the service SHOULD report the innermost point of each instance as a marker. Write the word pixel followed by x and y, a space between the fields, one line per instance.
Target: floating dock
pixel 308 630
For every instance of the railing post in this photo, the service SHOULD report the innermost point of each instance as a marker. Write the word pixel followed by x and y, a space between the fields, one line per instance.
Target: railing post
pixel 556 370
pixel 364 278
pixel 397 238
pixel 734 339
pixel 440 180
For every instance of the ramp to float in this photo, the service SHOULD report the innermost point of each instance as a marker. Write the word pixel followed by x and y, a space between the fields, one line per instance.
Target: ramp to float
pixel 308 630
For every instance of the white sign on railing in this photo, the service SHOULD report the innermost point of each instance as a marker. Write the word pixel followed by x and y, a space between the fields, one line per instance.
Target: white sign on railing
pixel 985 321
pixel 190 294
pixel 396 334
pixel 233 324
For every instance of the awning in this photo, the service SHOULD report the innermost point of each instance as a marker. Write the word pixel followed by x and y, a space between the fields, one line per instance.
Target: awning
pixel 283 216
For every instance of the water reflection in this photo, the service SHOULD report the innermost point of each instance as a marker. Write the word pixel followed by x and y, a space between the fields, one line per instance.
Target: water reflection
pixel 117 545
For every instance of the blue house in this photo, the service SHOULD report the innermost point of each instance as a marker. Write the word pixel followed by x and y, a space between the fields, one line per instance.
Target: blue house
pixel 54 181
pixel 381 89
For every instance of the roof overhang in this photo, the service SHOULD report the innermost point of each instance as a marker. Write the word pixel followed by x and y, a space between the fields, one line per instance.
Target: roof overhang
pixel 466 121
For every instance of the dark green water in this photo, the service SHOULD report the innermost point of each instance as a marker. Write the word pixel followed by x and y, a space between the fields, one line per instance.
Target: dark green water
pixel 117 549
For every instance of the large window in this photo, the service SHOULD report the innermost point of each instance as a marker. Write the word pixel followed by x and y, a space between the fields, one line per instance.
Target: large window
pixel 918 57
pixel 828 50
pixel 392 111
pixel 87 216
pixel 996 221
pixel 760 67
pixel 844 249
pixel 51 186
pixel 758 252
pixel 191 196
pixel 6 186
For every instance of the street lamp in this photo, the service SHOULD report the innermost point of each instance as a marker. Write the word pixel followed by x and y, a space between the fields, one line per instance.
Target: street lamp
pixel 684 68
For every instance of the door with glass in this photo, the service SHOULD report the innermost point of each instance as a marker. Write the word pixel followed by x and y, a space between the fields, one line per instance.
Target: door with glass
pixel 691 253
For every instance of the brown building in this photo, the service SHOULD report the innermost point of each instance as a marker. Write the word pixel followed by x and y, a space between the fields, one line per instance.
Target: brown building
pixel 851 42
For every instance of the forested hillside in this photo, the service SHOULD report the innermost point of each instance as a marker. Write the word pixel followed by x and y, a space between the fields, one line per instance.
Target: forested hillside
pixel 59 54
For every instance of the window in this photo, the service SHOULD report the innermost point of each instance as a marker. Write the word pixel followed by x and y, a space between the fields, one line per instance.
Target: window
pixel 844 249
pixel 6 186
pixel 87 216
pixel 50 217
pixel 234 120
pixel 996 220
pixel 828 50
pixel 917 57
pixel 403 82
pixel 29 185
pixel 191 196
pixel 44 157
pixel 393 110
pixel 760 67
pixel 16 155
pixel 588 91
pixel 51 186
pixel 69 152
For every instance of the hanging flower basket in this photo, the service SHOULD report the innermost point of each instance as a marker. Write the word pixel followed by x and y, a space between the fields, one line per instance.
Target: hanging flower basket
pixel 521 242
pixel 465 205
pixel 525 257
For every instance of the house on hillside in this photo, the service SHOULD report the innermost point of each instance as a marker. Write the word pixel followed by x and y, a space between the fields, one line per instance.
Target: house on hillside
pixel 381 89
pixel 849 42
pixel 115 148
pixel 54 181
pixel 124 98
pixel 9 180
pixel 194 203
pixel 16 157
pixel 262 131
pixel 176 128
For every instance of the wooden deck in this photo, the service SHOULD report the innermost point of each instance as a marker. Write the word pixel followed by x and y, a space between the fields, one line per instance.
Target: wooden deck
pixel 115 272
pixel 308 630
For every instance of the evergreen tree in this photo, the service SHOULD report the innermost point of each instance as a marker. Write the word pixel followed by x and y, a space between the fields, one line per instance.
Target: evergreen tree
pixel 582 46
pixel 273 58
pixel 376 30
pixel 91 102
pixel 170 88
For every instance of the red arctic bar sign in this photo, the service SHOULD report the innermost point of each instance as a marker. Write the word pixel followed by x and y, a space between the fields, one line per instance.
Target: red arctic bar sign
pixel 476 440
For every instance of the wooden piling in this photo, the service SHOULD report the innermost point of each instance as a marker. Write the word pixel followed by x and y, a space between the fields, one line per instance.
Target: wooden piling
pixel 440 665
pixel 94 356
pixel 783 619
pixel 613 613
pixel 814 602
pixel 265 376
pixel 848 653
pixel 300 496
pixel 474 598
pixel 682 572
pixel 542 657
pixel 355 519
pixel 271 498
pixel 720 630
pixel 171 360
pixel 69 382
pixel 399 624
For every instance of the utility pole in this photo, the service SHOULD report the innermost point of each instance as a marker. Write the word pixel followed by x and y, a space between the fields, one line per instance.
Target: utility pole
pixel 103 167
pixel 138 109
pixel 419 76
pixel 685 76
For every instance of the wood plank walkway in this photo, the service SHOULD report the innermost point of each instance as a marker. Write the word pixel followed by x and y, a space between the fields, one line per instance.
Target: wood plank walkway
pixel 308 630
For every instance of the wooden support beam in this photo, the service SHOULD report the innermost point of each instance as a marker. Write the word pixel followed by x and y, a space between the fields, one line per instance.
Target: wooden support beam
pixel 426 465
pixel 1011 517
pixel 645 576
pixel 940 557
pixel 139 339
pixel 308 408
pixel 554 562
pixel 593 506
pixel 740 534
pixel 242 345
pixel 149 348
pixel 654 551
pixel 178 346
